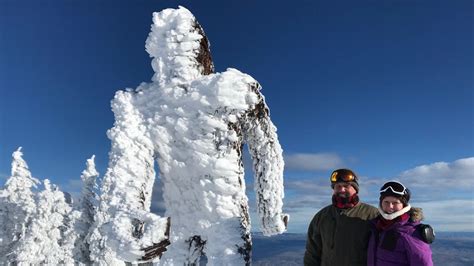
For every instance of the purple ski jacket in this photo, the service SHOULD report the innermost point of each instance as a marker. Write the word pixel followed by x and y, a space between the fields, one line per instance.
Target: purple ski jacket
pixel 400 244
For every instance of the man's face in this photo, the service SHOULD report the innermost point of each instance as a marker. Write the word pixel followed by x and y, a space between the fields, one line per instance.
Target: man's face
pixel 343 189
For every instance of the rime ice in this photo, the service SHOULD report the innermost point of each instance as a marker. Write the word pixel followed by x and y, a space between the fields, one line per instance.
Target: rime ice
pixel 88 205
pixel 193 123
pixel 35 228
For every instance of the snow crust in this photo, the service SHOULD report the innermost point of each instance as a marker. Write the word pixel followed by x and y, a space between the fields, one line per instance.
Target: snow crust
pixel 194 126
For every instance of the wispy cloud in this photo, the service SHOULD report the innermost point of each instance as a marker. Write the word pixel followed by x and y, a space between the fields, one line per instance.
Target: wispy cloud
pixel 450 215
pixel 312 161
pixel 444 191
pixel 314 186
pixel 458 174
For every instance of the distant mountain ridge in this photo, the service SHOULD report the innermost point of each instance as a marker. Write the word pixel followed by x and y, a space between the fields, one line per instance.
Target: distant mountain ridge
pixel 449 248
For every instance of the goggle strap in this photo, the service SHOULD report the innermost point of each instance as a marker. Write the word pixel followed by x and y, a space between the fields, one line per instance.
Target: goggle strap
pixel 396 192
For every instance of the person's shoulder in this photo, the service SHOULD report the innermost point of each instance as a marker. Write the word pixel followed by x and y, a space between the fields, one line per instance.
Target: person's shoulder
pixel 412 237
pixel 409 231
pixel 368 207
pixel 367 211
pixel 323 211
pixel 329 208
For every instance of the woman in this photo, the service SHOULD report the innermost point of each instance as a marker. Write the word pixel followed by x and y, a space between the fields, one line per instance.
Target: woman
pixel 395 239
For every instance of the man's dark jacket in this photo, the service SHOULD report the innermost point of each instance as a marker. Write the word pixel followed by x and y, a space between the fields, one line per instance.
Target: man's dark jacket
pixel 339 237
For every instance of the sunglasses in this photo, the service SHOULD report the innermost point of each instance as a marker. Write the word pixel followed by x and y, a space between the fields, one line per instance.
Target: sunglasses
pixel 395 187
pixel 343 175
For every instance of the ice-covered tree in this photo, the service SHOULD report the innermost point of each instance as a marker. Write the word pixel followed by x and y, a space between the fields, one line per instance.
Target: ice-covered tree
pixel 36 227
pixel 49 238
pixel 18 207
pixel 87 206
pixel 3 233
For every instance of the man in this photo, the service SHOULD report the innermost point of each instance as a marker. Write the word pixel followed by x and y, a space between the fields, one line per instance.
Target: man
pixel 339 233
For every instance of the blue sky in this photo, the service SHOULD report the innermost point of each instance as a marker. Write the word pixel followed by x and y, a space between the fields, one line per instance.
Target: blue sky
pixel 382 87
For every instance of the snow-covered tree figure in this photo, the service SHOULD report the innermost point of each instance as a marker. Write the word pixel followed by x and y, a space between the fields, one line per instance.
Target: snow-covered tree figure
pixel 194 122
pixel 48 238
pixel 87 206
pixel 18 208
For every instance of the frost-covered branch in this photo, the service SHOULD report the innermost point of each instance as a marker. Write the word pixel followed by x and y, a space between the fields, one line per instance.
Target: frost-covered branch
pixel 260 135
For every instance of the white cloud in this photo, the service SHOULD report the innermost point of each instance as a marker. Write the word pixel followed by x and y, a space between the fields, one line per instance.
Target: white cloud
pixel 455 175
pixel 450 215
pixel 444 191
pixel 312 186
pixel 312 161
pixel 308 200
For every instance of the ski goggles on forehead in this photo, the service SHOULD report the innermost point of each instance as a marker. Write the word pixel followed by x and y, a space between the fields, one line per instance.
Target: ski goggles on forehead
pixel 342 175
pixel 395 187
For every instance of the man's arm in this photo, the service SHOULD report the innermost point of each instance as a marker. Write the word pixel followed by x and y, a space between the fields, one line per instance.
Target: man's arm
pixel 312 255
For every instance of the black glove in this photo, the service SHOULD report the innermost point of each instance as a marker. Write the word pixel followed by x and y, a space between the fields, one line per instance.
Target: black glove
pixel 427 233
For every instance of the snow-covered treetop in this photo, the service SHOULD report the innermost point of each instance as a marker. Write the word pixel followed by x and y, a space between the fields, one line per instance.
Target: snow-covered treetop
pixel 178 46
pixel 89 174
pixel 47 185
pixel 21 175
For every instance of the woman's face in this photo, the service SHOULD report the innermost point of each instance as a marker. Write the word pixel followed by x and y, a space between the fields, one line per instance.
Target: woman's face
pixel 391 204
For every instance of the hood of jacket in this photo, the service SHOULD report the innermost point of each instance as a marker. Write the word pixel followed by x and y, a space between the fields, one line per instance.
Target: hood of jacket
pixel 408 226
pixel 416 214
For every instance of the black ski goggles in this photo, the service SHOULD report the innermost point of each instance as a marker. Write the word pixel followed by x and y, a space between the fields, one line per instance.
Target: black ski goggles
pixel 395 187
pixel 343 175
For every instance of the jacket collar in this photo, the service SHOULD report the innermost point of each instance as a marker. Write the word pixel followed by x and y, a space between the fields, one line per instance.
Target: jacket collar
pixel 394 215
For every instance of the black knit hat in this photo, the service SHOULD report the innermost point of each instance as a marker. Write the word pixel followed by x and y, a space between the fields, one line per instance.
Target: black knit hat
pixel 346 176
pixel 397 190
